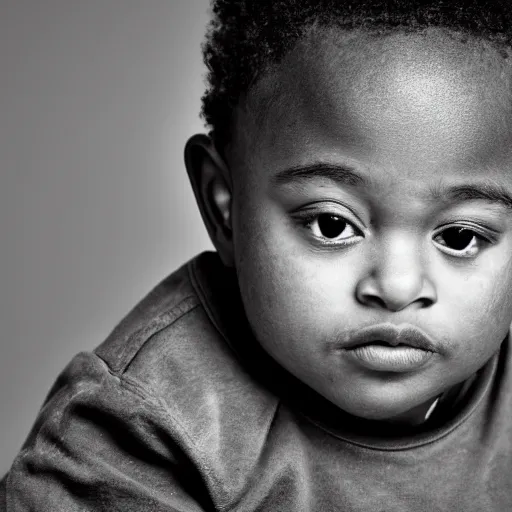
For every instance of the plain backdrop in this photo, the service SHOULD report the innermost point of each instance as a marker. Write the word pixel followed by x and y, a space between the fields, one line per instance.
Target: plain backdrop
pixel 97 99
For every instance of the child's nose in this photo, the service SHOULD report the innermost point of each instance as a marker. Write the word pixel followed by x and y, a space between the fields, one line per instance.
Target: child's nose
pixel 397 279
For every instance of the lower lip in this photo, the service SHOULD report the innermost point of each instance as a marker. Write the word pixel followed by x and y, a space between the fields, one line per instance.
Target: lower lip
pixel 390 359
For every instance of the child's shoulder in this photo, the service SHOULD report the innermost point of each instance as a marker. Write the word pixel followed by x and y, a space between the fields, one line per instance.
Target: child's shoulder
pixel 173 346
pixel 171 301
pixel 163 390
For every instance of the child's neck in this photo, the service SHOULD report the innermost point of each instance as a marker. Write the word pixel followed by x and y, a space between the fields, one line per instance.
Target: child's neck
pixel 435 407
pixel 417 415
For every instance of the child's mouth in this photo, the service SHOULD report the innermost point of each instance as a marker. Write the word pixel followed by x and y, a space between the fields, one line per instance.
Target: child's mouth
pixel 380 356
pixel 388 348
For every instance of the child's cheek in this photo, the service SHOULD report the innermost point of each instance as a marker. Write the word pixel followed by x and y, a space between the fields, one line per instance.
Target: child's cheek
pixel 492 289
pixel 296 299
pixel 482 305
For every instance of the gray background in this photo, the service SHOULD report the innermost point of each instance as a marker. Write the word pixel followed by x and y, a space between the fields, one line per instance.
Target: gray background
pixel 97 99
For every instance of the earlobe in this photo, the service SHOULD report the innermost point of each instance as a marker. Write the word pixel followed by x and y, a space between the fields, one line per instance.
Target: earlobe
pixel 210 180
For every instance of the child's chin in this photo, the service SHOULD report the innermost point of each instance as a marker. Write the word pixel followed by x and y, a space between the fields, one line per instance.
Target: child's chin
pixel 386 408
pixel 379 415
pixel 375 414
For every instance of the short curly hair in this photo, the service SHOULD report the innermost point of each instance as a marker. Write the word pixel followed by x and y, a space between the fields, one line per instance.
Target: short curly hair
pixel 245 37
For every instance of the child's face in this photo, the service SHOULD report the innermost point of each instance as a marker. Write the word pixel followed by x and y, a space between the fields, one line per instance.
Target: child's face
pixel 371 190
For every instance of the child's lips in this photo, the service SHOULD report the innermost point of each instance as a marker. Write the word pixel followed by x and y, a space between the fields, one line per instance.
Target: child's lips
pixel 392 336
pixel 390 348
pixel 386 358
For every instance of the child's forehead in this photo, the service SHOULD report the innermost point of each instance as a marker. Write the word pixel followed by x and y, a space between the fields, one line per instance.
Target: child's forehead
pixel 346 68
pixel 355 59
pixel 398 91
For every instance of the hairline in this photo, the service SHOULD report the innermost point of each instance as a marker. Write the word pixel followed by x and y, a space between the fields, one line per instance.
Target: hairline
pixel 264 93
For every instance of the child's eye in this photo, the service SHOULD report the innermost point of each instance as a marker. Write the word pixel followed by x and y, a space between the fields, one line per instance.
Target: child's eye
pixel 460 241
pixel 331 228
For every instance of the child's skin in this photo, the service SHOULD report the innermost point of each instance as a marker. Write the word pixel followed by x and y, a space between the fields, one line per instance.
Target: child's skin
pixel 414 115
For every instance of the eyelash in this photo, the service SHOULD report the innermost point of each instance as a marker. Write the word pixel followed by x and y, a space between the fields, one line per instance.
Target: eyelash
pixel 477 242
pixel 308 218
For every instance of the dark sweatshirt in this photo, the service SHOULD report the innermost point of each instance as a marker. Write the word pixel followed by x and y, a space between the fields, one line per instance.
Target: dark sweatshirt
pixel 180 410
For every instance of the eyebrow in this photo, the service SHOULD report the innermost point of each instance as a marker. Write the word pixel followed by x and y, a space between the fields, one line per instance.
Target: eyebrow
pixel 482 191
pixel 346 175
pixel 341 174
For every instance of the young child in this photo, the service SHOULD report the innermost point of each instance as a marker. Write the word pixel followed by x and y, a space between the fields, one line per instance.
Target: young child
pixel 346 348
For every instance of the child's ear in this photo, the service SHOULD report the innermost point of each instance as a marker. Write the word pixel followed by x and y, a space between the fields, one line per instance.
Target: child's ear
pixel 210 179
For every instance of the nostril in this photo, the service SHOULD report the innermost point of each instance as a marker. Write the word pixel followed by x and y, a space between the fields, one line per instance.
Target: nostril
pixel 426 302
pixel 373 300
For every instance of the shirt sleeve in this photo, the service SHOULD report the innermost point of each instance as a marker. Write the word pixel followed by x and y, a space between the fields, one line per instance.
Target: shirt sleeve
pixel 101 443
